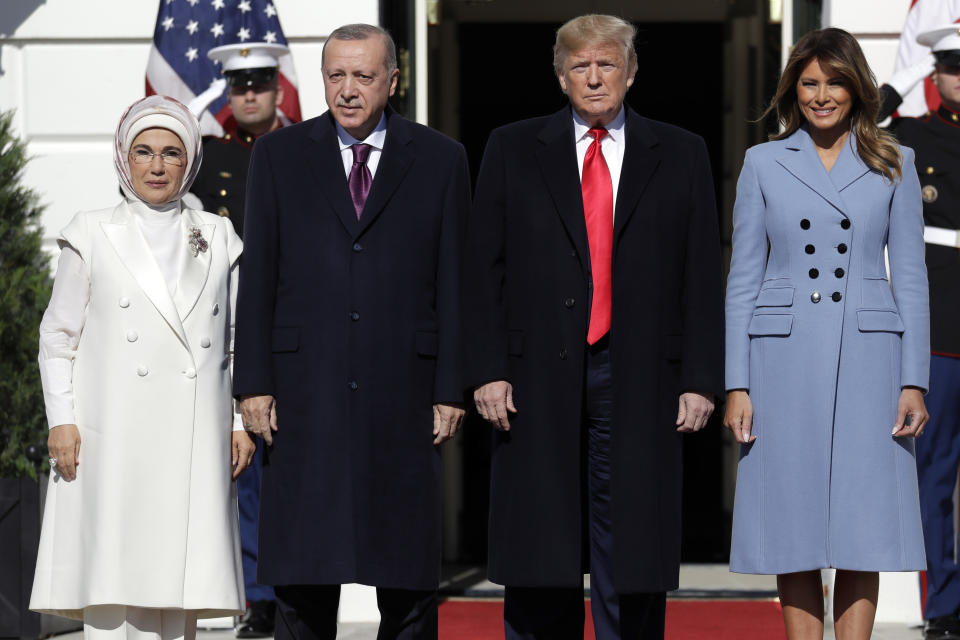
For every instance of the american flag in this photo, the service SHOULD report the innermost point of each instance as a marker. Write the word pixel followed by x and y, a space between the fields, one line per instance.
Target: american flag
pixel 186 29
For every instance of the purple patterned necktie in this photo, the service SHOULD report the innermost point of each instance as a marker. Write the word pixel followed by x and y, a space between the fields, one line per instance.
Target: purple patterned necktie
pixel 360 178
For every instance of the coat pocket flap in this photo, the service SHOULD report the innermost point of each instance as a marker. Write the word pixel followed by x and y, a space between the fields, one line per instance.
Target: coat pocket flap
pixel 286 339
pixel 771 324
pixel 879 320
pixel 514 342
pixel 426 343
pixel 775 297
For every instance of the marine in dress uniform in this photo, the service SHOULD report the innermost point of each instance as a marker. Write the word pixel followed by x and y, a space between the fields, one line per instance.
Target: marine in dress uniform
pixel 935 138
pixel 250 70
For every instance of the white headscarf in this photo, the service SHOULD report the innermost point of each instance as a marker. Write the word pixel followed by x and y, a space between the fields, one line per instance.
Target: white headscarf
pixel 157 112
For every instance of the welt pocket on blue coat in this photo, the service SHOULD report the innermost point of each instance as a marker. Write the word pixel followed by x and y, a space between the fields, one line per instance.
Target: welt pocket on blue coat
pixel 285 339
pixel 426 343
pixel 771 324
pixel 879 320
pixel 781 296
pixel 515 342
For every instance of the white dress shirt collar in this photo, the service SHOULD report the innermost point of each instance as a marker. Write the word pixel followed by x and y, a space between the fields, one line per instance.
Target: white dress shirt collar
pixel 376 141
pixel 614 129
pixel 612 145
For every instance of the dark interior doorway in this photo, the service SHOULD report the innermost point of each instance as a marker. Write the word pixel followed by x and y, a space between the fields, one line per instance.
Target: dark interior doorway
pixel 505 74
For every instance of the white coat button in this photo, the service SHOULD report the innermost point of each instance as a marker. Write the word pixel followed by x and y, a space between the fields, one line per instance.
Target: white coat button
pixel 124 302
pixel 142 371
pixel 190 373
pixel 205 343
pixel 132 336
pixel 216 309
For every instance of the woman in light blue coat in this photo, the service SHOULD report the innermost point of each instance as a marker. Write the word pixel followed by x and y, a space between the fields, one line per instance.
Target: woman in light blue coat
pixel 825 354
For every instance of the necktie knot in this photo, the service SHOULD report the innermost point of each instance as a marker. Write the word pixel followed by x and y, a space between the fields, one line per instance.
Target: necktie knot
pixel 361 152
pixel 598 133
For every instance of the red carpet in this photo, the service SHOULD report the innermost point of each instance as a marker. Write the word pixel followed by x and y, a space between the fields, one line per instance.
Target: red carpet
pixel 686 620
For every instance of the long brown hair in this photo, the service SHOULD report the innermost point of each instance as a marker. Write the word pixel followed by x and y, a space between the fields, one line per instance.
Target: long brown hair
pixel 838 51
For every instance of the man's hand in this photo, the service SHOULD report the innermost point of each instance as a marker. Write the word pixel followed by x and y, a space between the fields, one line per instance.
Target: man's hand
pixel 739 416
pixel 912 414
pixel 447 418
pixel 242 449
pixel 63 443
pixel 259 416
pixel 695 409
pixel 494 400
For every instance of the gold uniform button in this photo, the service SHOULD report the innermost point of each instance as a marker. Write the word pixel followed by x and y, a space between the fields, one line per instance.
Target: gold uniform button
pixel 226 137
pixel 930 171
pixel 223 212
pixel 954 117
pixel 223 192
pixel 249 139
pixel 930 193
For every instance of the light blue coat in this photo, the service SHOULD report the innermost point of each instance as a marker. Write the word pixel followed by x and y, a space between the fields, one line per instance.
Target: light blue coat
pixel 824 355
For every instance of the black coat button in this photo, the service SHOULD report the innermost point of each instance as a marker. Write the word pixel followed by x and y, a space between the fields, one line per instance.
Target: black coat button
pixel 809 248
pixel 837 296
pixel 569 302
pixel 842 248
pixel 354 316
pixel 573 253
pixel 845 224
pixel 563 354
pixel 353 385
pixel 804 224
pixel 357 247
pixel 839 272
pixel 814 274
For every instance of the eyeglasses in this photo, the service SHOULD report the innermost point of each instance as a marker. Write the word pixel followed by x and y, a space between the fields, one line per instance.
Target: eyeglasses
pixel 170 156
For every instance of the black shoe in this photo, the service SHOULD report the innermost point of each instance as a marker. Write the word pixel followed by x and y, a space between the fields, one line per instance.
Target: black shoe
pixel 942 628
pixel 257 620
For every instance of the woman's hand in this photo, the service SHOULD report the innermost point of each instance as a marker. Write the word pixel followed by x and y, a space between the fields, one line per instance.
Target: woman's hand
pixel 242 449
pixel 912 414
pixel 63 445
pixel 739 416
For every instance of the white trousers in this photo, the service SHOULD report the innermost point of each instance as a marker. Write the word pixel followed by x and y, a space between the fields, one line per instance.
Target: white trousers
pixel 120 622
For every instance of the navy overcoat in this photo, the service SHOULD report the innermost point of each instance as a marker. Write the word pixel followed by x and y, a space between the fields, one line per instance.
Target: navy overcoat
pixel 824 342
pixel 353 325
pixel 527 279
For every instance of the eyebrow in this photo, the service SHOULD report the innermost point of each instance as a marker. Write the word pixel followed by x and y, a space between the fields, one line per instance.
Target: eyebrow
pixel 169 147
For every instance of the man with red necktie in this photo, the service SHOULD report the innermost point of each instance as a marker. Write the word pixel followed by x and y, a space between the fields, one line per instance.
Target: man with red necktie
pixel 593 333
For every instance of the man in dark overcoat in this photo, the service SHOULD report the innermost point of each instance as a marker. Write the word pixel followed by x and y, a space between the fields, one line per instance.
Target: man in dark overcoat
pixel 348 332
pixel 593 325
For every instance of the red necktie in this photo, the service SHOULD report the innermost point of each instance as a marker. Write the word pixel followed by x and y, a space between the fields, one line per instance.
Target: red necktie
pixel 598 211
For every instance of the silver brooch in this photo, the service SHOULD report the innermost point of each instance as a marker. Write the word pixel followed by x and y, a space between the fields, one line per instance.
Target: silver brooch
pixel 197 242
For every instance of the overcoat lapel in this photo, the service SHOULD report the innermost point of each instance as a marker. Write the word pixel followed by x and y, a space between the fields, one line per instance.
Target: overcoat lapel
pixel 558 163
pixel 801 159
pixel 641 157
pixel 395 160
pixel 328 168
pixel 124 235
pixel 193 269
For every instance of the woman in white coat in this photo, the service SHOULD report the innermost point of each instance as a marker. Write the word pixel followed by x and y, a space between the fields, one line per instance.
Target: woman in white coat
pixel 139 534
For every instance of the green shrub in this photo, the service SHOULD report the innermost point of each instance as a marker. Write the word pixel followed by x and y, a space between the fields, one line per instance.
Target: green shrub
pixel 25 286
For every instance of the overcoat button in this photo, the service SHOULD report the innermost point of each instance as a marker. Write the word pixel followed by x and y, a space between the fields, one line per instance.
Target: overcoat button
pixel 124 302
pixel 573 253
pixel 142 371
pixel 216 309
pixel 804 224
pixel 842 248
pixel 205 343
pixel 132 336
pixel 815 297
pixel 190 373
pixel 357 247
pixel 563 354
pixel 569 302
pixel 837 296
pixel 839 272
pixel 809 248
pixel 845 224
pixel 353 385
pixel 814 274
pixel 354 316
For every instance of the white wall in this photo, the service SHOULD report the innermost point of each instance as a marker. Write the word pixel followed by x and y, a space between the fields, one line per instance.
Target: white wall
pixel 876 25
pixel 71 68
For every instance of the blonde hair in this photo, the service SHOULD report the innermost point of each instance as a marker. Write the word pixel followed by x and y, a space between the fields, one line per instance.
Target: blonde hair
pixel 838 51
pixel 593 29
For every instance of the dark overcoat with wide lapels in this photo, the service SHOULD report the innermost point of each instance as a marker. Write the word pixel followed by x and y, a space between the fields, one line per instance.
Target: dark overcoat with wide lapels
pixel 353 326
pixel 527 290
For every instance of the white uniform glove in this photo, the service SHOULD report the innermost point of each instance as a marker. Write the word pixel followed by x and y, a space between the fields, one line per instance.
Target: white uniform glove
pixel 906 79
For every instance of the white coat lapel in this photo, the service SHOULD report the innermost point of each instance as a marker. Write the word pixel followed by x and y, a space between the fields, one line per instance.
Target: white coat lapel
pixel 801 159
pixel 193 269
pixel 125 237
